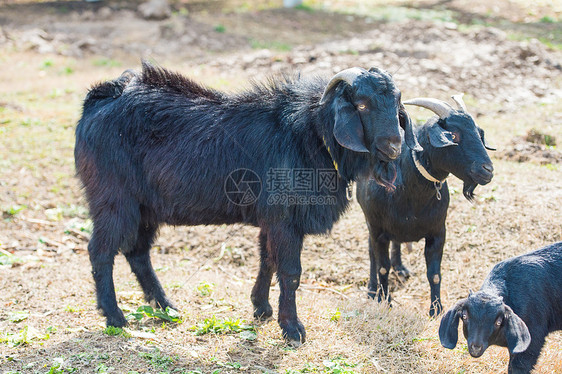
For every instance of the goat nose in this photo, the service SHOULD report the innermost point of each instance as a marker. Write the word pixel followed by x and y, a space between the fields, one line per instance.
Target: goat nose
pixel 475 349
pixel 488 167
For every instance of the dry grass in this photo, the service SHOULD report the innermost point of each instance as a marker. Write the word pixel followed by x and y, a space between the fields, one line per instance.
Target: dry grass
pixel 40 96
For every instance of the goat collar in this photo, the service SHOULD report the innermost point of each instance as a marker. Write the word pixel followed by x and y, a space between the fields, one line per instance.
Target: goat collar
pixel 423 171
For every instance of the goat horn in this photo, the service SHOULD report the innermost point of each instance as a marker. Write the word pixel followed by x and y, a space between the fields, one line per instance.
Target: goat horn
pixel 460 102
pixel 348 76
pixel 441 108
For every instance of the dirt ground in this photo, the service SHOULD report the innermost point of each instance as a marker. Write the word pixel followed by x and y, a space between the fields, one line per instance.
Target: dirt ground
pixel 504 55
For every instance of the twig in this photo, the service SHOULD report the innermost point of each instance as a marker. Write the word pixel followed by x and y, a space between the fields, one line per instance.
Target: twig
pixel 38 221
pixel 52 242
pixel 305 287
pixel 6 252
pixel 79 233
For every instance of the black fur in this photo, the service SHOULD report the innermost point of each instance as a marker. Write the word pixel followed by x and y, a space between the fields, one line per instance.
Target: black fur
pixel 413 211
pixel 155 147
pixel 519 304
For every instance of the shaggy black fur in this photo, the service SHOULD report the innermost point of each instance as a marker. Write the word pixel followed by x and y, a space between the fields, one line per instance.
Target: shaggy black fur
pixel 155 147
pixel 413 211
pixel 519 304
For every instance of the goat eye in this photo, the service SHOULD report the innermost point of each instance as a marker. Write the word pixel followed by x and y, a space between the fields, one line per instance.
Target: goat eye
pixel 361 107
pixel 498 322
pixel 464 316
pixel 455 137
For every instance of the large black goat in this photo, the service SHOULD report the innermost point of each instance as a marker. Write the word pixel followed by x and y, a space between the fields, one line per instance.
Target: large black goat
pixel 452 143
pixel 155 147
pixel 519 304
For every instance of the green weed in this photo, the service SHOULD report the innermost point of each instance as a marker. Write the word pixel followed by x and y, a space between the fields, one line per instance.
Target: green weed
pixel 205 289
pixel 106 62
pixel 274 45
pixel 116 331
pixel 6 258
pixel 19 316
pixel 226 326
pixel 13 210
pixel 336 365
pixel 169 315
pixel 157 360
pixel 25 336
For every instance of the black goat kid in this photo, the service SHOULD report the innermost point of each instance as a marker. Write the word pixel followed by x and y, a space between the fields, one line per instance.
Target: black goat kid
pixel 155 147
pixel 452 143
pixel 519 304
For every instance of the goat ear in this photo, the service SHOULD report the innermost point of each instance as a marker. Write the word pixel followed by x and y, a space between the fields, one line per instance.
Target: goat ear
pixel 348 128
pixel 486 145
pixel 409 135
pixel 439 137
pixel 449 327
pixel 516 332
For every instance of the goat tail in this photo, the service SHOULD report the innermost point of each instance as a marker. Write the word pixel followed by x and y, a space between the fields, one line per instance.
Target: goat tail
pixel 110 89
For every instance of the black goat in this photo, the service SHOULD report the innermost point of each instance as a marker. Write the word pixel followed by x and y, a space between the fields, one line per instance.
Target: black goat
pixel 519 304
pixel 155 147
pixel 452 143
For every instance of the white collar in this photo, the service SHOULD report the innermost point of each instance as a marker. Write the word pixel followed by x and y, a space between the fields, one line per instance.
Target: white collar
pixel 423 171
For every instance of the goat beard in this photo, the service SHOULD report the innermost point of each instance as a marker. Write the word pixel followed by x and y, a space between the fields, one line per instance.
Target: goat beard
pixel 384 173
pixel 468 190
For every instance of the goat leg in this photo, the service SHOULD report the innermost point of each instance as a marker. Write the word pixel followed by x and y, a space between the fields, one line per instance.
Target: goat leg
pixel 396 260
pixel 433 255
pixel 286 246
pixel 260 292
pixel 101 258
pixel 139 261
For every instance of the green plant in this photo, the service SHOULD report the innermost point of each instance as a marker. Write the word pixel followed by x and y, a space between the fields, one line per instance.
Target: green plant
pixel 220 28
pixel 106 62
pixel 47 63
pixel 6 258
pixel 275 45
pixel 103 368
pixel 336 365
pixel 157 359
pixel 170 315
pixel 116 331
pixel 304 7
pixel 205 289
pixel 18 316
pixel 13 210
pixel 25 336
pixel 216 326
pixel 547 19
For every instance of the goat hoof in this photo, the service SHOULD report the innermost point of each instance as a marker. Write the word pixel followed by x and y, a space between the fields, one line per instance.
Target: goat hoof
pixel 435 310
pixel 163 304
pixel 402 271
pixel 263 312
pixel 294 333
pixel 116 320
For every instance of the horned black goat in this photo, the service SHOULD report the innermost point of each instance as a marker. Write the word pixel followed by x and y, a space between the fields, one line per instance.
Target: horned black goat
pixel 518 305
pixel 452 144
pixel 155 147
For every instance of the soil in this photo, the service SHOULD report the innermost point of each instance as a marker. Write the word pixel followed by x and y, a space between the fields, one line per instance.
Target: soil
pixel 511 87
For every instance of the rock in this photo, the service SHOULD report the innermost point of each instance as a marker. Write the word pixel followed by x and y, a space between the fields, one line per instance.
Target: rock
pixel 105 12
pixel 39 40
pixel 155 9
